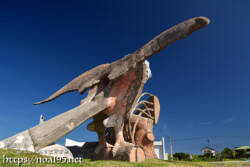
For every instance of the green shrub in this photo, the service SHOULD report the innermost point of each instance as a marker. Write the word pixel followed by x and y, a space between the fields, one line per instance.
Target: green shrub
pixel 227 153
pixel 240 154
pixel 182 156
pixel 208 155
pixel 199 158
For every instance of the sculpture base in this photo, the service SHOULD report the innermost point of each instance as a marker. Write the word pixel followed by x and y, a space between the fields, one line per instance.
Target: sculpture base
pixel 127 153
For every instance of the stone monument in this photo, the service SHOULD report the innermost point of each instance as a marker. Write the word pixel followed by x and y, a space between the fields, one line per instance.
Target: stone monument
pixel 124 124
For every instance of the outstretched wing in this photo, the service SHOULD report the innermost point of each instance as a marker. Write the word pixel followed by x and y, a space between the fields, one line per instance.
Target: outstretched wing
pixel 81 83
pixel 180 31
pixel 119 68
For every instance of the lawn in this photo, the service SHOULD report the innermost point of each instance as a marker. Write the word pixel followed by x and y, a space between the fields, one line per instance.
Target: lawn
pixel 9 153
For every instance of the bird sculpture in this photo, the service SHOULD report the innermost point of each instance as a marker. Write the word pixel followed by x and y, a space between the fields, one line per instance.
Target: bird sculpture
pixel 122 83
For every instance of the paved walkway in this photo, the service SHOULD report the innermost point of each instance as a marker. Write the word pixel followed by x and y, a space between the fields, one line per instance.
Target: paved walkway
pixel 230 162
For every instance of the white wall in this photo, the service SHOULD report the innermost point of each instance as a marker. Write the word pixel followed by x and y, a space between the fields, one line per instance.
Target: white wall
pixel 206 150
pixel 160 149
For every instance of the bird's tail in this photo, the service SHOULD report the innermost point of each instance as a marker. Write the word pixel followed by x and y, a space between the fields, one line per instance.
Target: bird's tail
pixel 60 92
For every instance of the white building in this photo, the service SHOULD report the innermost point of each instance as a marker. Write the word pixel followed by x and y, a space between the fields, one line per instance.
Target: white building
pixel 159 147
pixel 206 150
pixel 69 143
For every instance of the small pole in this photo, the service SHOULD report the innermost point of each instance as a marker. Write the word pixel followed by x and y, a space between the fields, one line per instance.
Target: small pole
pixel 217 144
pixel 171 151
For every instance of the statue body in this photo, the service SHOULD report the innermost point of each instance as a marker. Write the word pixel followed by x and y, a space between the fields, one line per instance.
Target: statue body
pixel 115 91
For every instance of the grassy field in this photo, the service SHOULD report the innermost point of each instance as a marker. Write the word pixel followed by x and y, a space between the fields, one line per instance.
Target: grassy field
pixel 9 153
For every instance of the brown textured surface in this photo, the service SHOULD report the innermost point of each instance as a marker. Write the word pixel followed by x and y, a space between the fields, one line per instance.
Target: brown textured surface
pixel 143 135
pixel 125 91
pixel 105 154
pixel 137 155
pixel 119 68
pixel 125 153
pixel 122 95
pixel 81 83
pixel 122 83
pixel 115 90
pixel 156 108
pixel 157 44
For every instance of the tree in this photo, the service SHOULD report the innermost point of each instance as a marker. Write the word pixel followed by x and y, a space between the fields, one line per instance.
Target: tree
pixel 227 153
pixel 234 153
pixel 241 154
pixel 181 156
pixel 208 155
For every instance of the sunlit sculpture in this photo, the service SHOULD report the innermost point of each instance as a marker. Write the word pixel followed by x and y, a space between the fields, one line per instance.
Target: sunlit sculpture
pixel 115 92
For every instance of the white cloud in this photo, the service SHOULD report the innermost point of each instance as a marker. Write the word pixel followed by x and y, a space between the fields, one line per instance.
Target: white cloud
pixel 228 120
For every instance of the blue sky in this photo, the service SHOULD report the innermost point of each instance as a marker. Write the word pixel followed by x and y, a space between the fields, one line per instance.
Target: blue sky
pixel 202 81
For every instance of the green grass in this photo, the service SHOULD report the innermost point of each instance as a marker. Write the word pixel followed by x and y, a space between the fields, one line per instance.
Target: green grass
pixel 87 162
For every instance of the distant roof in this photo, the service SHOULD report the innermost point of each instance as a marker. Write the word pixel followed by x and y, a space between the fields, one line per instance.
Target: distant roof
pixel 207 148
pixel 242 148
